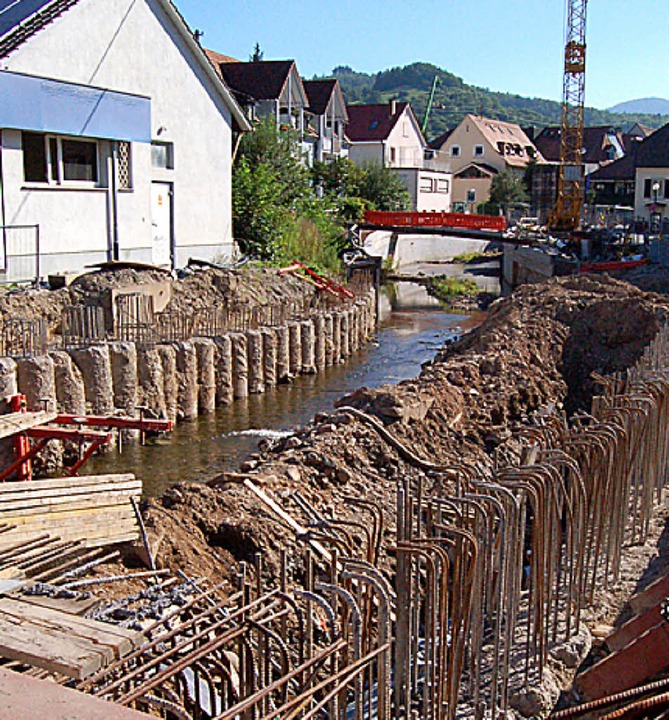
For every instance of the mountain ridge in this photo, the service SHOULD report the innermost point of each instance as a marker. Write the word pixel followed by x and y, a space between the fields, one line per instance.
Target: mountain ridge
pixel 454 99
pixel 649 105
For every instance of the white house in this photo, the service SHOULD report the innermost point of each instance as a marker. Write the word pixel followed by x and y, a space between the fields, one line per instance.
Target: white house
pixel 651 201
pixel 115 137
pixel 390 135
pixel 328 118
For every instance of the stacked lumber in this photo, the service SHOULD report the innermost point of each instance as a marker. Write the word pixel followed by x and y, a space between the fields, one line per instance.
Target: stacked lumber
pixel 96 510
pixel 60 642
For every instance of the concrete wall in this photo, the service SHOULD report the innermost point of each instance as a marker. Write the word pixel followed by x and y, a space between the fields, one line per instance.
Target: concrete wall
pixel 130 46
pixel 416 249
pixel 523 265
pixel 181 380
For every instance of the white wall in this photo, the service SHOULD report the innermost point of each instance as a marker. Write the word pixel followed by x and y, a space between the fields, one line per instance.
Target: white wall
pixel 360 153
pixel 641 203
pixel 426 188
pixel 406 140
pixel 131 46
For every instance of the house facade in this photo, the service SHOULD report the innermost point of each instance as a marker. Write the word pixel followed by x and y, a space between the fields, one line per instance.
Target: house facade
pixel 327 118
pixel 98 160
pixel 390 135
pixel 269 88
pixel 651 200
pixel 479 148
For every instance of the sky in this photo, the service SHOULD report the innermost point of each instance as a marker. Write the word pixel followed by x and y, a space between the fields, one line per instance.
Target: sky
pixel 506 45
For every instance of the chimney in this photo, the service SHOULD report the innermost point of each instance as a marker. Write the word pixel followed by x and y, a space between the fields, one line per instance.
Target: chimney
pixel 393 107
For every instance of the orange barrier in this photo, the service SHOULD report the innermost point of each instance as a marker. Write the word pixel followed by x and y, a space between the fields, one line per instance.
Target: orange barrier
pixel 495 223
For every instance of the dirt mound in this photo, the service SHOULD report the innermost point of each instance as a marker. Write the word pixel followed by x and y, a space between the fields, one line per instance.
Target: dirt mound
pixel 535 348
pixel 246 287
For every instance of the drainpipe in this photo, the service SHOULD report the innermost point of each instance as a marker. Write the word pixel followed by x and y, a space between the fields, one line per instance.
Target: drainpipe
pixel 112 203
pixel 2 206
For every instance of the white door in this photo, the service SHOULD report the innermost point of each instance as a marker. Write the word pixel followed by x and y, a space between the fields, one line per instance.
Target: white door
pixel 161 219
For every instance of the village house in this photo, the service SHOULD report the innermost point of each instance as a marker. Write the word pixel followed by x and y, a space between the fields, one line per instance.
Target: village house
pixel 477 150
pixel 651 202
pixel 269 88
pixel 99 161
pixel 390 135
pixel 328 119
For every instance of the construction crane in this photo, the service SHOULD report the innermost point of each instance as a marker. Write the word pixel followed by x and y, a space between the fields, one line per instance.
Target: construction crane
pixel 430 102
pixel 566 215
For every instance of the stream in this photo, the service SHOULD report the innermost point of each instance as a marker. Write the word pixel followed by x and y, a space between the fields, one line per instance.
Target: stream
pixel 412 328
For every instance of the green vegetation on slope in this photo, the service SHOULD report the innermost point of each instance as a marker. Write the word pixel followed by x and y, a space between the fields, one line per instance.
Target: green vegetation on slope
pixel 454 99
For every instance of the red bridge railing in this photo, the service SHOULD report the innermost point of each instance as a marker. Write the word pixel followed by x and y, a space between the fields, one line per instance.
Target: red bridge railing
pixel 494 223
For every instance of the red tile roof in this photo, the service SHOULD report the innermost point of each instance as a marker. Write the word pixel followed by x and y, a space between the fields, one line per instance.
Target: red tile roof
pixel 263 80
pixel 217 58
pixel 372 122
pixel 549 139
pixel 653 152
pixel 319 93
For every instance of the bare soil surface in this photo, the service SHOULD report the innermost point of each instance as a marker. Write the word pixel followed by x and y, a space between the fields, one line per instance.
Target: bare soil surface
pixel 245 287
pixel 538 347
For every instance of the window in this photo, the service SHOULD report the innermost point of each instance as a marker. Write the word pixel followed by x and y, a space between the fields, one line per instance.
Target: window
pixel 162 155
pixel 34 158
pixel 426 185
pixel 123 166
pixel 405 129
pixel 478 150
pixel 646 187
pixel 471 196
pixel 442 185
pixel 393 154
pixel 78 161
pixel 666 189
pixel 455 151
pixel 59 160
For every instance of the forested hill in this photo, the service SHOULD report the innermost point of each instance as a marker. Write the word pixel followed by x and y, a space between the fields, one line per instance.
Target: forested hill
pixel 454 99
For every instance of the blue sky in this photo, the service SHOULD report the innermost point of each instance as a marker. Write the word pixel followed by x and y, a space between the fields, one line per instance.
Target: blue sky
pixel 507 45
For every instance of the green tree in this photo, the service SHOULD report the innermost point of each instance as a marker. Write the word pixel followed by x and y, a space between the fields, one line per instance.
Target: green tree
pixel 257 55
pixel 507 188
pixel 277 215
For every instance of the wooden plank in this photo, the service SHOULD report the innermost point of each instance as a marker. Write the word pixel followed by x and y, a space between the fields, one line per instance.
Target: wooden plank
pixel 14 423
pixel 131 487
pixel 74 606
pixel 65 482
pixel 23 697
pixel 63 504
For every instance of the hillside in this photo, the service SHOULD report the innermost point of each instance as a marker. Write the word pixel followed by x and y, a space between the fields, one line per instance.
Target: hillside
pixel 643 105
pixel 454 99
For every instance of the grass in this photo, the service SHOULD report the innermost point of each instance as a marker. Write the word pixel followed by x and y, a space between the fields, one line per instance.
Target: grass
pixel 469 257
pixel 448 289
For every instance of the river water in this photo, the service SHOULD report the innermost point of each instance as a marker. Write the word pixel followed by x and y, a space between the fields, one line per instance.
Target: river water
pixel 412 328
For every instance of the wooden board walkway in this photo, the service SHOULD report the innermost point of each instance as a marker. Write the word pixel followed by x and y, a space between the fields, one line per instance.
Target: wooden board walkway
pixel 96 510
pixel 14 423
pixel 61 642
pixel 26 698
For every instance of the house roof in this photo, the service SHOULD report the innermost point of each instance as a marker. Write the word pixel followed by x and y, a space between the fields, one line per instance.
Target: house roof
pixel 21 20
pixel 482 167
pixel 653 152
pixel 622 169
pixel 369 123
pixel 262 80
pixel 498 132
pixel 594 141
pixel 319 93
pixel 217 58
pixel 24 18
pixel 438 142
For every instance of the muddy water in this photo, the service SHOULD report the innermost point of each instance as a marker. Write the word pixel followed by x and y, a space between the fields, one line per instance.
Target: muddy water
pixel 412 328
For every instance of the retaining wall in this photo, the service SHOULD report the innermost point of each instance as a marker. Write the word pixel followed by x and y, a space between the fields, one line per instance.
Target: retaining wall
pixel 179 381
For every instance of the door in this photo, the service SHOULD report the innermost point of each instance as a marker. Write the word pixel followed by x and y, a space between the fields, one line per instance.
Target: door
pixel 161 220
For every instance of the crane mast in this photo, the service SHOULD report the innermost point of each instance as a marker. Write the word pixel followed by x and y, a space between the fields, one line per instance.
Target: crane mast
pixel 566 214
